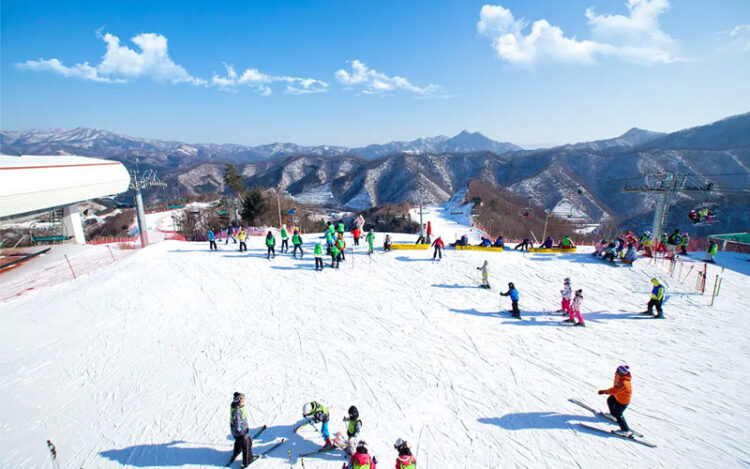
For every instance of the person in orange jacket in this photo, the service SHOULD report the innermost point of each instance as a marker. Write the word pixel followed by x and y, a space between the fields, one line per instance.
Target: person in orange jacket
pixel 619 398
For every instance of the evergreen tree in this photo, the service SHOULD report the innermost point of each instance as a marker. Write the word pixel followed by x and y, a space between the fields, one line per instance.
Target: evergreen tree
pixel 233 179
pixel 254 205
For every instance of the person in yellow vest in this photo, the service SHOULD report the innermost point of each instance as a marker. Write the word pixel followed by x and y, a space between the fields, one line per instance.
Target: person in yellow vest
pixel 243 240
pixel 353 427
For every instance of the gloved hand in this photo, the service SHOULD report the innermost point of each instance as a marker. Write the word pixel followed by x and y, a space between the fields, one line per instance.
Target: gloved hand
pixel 375 459
pixel 345 419
pixel 601 391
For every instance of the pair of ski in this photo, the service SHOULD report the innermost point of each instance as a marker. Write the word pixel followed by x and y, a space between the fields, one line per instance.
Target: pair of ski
pixel 338 440
pixel 634 436
pixel 267 450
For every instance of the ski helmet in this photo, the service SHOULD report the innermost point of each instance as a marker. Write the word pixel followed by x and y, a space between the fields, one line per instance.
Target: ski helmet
pixel 579 291
pixel 399 444
pixel 623 370
pixel 362 444
pixel 567 280
pixel 510 285
pixel 238 396
pixel 307 409
pixel 353 413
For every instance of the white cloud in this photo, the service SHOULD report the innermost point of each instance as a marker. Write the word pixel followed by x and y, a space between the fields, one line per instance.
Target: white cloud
pixel 261 82
pixel 636 37
pixel 371 81
pixel 84 70
pixel 738 37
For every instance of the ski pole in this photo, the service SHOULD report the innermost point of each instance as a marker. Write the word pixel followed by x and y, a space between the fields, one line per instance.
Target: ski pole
pixel 289 452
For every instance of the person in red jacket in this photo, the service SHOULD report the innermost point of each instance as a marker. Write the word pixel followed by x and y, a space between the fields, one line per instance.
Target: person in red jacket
pixel 439 246
pixel 361 459
pixel 405 459
pixel 619 398
pixel 356 234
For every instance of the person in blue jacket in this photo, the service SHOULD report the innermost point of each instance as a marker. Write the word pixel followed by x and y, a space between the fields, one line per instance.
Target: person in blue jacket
pixel 513 294
pixel 499 243
pixel 630 254
pixel 548 243
pixel 329 240
pixel 485 242
pixel 211 240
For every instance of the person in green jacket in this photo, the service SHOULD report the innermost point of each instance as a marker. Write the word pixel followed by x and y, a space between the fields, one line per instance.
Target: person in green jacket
pixel 566 243
pixel 318 256
pixel 335 256
pixel 370 241
pixel 284 239
pixel 270 244
pixel 713 248
pixel 340 227
pixel 341 245
pixel 297 242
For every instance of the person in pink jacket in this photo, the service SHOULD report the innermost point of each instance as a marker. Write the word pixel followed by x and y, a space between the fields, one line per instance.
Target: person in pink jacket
pixel 567 293
pixel 361 459
pixel 575 310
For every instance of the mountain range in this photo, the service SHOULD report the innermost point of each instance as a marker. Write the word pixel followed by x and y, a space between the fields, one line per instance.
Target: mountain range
pixel 587 176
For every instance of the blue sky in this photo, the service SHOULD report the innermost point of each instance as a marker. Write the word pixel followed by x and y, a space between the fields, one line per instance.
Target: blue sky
pixel 353 73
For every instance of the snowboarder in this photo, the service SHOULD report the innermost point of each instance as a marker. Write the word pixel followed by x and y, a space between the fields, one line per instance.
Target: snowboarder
pixel 370 242
pixel 297 243
pixel 242 236
pixel 240 431
pixel 485 275
pixel 619 397
pixel 513 293
pixel 711 251
pixel 284 240
pixel 317 413
pixel 405 459
pixel 485 242
pixel 341 245
pixel 353 427
pixel 524 245
pixel 575 310
pixel 318 256
pixel 463 241
pixel 657 297
pixel 439 246
pixel 685 243
pixel 387 243
pixel 361 458
pixel 335 257
pixel 270 244
pixel 567 295
pixel 211 240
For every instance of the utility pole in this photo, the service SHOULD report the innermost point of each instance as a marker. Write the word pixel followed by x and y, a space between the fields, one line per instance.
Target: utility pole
pixel 140 181
pixel 665 186
pixel 546 219
pixel 278 202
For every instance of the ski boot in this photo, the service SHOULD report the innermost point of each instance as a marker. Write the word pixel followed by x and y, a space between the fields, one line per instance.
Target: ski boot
pixel 580 324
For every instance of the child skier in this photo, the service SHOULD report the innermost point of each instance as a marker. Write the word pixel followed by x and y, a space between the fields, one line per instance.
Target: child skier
pixel 439 246
pixel 619 398
pixel 211 240
pixel 335 257
pixel 297 242
pixel 513 293
pixel 713 248
pixel 485 275
pixel 341 245
pixel 240 431
pixel 361 459
pixel 370 242
pixel 575 310
pixel 353 427
pixel 685 243
pixel 242 236
pixel 356 234
pixel 657 297
pixel 284 239
pixel 270 243
pixel 317 413
pixel 405 459
pixel 387 243
pixel 318 256
pixel 567 294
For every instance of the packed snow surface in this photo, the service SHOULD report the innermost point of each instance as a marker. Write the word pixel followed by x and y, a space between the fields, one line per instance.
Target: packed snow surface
pixel 135 366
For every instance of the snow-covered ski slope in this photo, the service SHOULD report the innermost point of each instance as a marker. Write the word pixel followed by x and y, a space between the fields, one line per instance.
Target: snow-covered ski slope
pixel 136 366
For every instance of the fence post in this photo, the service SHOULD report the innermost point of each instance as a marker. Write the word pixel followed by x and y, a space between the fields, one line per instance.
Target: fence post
pixel 713 295
pixel 71 267
pixel 111 254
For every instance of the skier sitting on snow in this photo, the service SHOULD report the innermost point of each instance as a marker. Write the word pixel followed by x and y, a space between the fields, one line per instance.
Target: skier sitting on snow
pixel 464 241
pixel 361 459
pixel 315 412
pixel 548 243
pixel 353 427
pixel 609 254
pixel 598 247
pixel 566 243
pixel 575 310
pixel 619 398
pixel 485 243
pixel 485 275
pixel 657 297
pixel 524 245
pixel 439 246
pixel 567 295
pixel 405 459
pixel 630 255
pixel 499 243
pixel 387 243
pixel 240 431
pixel 513 293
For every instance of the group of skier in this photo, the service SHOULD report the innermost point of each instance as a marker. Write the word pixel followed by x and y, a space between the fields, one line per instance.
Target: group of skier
pixel 627 245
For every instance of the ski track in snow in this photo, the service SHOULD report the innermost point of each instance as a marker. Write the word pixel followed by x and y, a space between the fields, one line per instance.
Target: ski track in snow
pixel 136 366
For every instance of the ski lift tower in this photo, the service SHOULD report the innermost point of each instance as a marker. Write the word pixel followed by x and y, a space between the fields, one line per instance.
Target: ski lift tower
pixel 665 186
pixel 141 180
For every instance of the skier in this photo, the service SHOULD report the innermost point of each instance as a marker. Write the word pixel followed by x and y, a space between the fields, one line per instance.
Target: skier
pixel 657 297
pixel 619 397
pixel 513 293
pixel 230 234
pixel 439 246
pixel 711 251
pixel 297 243
pixel 566 243
pixel 405 459
pixel 548 243
pixel 353 427
pixel 567 294
pixel 242 236
pixel 485 275
pixel 335 257
pixel 329 241
pixel 673 241
pixel 499 243
pixel 524 245
pixel 331 229
pixel 211 240
pixel 341 245
pixel 240 431
pixel 340 228
pixel 387 243
pixel 318 256
pixel 356 234
pixel 284 240
pixel 646 243
pixel 370 241
pixel 361 458
pixel 685 243
pixel 317 413
pixel 575 310
pixel 270 244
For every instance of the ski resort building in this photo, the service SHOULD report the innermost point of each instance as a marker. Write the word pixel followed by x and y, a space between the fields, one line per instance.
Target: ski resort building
pixel 33 184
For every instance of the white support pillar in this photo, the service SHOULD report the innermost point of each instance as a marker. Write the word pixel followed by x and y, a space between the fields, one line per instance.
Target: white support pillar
pixel 73 223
